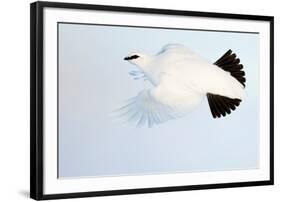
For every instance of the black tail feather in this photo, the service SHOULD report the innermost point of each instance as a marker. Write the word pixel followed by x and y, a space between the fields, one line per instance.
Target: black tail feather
pixel 221 105
pixel 228 62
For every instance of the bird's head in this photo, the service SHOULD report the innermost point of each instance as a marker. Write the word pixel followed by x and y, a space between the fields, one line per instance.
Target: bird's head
pixel 138 59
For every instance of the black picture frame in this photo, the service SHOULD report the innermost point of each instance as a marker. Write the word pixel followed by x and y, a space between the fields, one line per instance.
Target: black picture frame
pixel 37 101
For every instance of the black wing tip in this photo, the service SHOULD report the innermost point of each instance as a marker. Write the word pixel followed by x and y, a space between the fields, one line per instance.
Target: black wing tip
pixel 231 63
pixel 221 106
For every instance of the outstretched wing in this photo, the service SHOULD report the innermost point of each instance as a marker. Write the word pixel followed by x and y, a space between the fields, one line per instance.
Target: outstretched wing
pixel 144 109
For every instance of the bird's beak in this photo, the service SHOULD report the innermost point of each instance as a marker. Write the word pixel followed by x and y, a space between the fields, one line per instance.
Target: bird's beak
pixel 126 58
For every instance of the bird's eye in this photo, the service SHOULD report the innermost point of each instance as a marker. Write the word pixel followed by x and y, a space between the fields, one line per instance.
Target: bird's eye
pixel 131 57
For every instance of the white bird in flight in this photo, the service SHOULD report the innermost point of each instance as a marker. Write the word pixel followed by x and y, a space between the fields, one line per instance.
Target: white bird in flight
pixel 181 79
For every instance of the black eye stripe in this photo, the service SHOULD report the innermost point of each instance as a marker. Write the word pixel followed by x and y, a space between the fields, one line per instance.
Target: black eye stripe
pixel 133 57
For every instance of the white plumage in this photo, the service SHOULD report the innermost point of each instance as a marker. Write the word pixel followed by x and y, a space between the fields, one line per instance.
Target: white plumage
pixel 181 79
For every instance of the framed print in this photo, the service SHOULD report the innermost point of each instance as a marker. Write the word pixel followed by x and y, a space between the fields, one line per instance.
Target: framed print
pixel 136 100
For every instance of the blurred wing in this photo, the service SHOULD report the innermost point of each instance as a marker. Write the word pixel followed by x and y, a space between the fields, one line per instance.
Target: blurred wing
pixel 169 47
pixel 179 52
pixel 137 74
pixel 144 109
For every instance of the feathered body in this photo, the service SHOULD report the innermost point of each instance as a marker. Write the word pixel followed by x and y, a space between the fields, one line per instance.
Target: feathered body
pixel 181 79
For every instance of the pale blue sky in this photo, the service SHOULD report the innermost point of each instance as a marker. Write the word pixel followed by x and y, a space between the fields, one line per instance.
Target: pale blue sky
pixel 94 81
